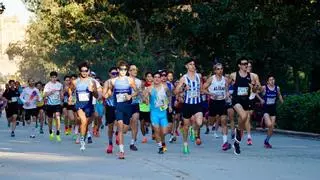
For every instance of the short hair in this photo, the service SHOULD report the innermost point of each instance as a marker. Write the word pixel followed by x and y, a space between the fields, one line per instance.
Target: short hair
pixel 122 63
pixel 147 73
pixel 66 76
pixel 217 65
pixel 112 68
pixel 156 73
pixel 170 72
pixel 11 81
pixel 53 73
pixel 39 82
pixel 83 64
pixel 241 59
pixel 188 60
pixel 269 76
pixel 73 75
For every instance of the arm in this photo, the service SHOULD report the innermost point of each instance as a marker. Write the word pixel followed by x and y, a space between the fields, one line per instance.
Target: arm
pixel 279 95
pixel 227 89
pixel 178 89
pixel 134 87
pixel 22 95
pixel 206 86
pixel 169 95
pixel 39 95
pixel 146 95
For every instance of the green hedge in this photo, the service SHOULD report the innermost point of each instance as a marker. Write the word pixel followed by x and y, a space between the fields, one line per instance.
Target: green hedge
pixel 300 113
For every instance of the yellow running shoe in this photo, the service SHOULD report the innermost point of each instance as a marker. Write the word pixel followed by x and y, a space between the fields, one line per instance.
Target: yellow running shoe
pixel 58 138
pixel 51 137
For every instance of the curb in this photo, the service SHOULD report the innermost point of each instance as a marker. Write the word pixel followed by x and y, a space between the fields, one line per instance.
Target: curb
pixel 294 133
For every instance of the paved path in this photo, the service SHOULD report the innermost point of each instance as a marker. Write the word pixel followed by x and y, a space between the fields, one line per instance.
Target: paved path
pixel 292 158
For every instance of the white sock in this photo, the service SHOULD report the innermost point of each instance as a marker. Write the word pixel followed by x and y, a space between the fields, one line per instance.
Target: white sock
pixel 132 141
pixel 225 138
pixel 249 136
pixel 159 144
pixel 88 134
pixel 185 144
pixel 121 148
pixel 76 129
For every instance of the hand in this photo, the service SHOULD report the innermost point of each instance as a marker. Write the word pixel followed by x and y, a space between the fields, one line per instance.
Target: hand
pixel 70 100
pixel 213 96
pixel 262 101
pixel 128 97
pixel 170 109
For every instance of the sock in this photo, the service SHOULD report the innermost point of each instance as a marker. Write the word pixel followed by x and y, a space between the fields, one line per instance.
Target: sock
pixel 267 139
pixel 81 138
pixel 76 129
pixel 121 148
pixel 88 134
pixel 132 142
pixel 159 144
pixel 50 131
pixel 249 136
pixel 185 144
pixel 225 138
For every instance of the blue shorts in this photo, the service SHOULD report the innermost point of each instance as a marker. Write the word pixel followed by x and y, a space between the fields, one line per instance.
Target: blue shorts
pixel 99 109
pixel 159 119
pixel 86 107
pixel 124 112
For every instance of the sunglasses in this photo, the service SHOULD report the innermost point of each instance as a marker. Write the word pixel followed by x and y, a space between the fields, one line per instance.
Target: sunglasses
pixel 244 64
pixel 219 68
pixel 114 73
pixel 86 70
pixel 163 75
pixel 122 69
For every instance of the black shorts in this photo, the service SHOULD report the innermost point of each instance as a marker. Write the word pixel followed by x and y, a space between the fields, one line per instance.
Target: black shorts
pixel 135 108
pixel 217 107
pixel 270 109
pixel 30 113
pixel 65 105
pixel 12 109
pixel 71 108
pixel 110 114
pixel 252 103
pixel 243 101
pixel 145 116
pixel 52 109
pixel 188 110
pixel 169 116
pixel 40 108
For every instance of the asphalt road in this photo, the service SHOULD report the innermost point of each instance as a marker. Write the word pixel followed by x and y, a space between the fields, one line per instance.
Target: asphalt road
pixel 292 158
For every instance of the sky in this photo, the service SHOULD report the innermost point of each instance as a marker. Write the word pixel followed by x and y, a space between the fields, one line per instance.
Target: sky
pixel 16 7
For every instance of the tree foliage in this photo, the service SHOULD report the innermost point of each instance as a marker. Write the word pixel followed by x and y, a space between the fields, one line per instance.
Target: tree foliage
pixel 281 36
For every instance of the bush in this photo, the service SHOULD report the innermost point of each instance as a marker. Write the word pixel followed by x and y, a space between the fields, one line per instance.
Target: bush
pixel 300 113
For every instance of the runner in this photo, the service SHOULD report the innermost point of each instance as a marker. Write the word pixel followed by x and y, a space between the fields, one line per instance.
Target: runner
pixel 30 96
pixel 53 91
pixel 230 109
pixel 270 92
pixel 217 88
pixel 145 108
pixel 67 82
pixel 99 109
pixel 85 88
pixel 12 95
pixel 190 83
pixel 110 109
pixel 243 81
pixel 159 97
pixel 133 72
pixel 122 88
pixel 40 106
pixel 71 106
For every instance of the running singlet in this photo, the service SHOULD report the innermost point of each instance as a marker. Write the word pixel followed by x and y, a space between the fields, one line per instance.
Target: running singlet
pixel 271 96
pixel 218 88
pixel 83 95
pixel 158 99
pixel 137 99
pixel 121 90
pixel 192 96
pixel 241 86
pixel 41 103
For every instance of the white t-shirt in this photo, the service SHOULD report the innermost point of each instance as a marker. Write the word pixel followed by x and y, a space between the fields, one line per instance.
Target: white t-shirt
pixel 30 95
pixel 137 99
pixel 53 99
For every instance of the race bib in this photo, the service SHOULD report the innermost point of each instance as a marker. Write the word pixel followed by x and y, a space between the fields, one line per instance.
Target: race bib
pixel 121 97
pixel 242 91
pixel 271 101
pixel 14 99
pixel 194 94
pixel 84 96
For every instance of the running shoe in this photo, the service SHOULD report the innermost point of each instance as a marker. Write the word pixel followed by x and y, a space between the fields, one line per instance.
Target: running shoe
pixel 164 147
pixel 41 131
pixel 90 140
pixel 215 134
pixel 32 136
pixel 186 149
pixel 51 137
pixel 109 149
pixel 58 138
pixel 237 135
pixel 12 134
pixel 133 147
pixel 226 146
pixel 161 150
pixel 236 147
pixel 198 141
pixel 82 145
pixel 121 155
pixel 207 131
pixel 144 140
pixel 267 145
pixel 78 139
pixel 249 141
pixel 172 139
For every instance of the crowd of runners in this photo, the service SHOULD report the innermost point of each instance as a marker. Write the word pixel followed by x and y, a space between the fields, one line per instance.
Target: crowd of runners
pixel 157 102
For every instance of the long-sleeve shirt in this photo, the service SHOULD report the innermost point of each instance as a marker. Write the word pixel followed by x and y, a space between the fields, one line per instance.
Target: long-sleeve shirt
pixel 30 97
